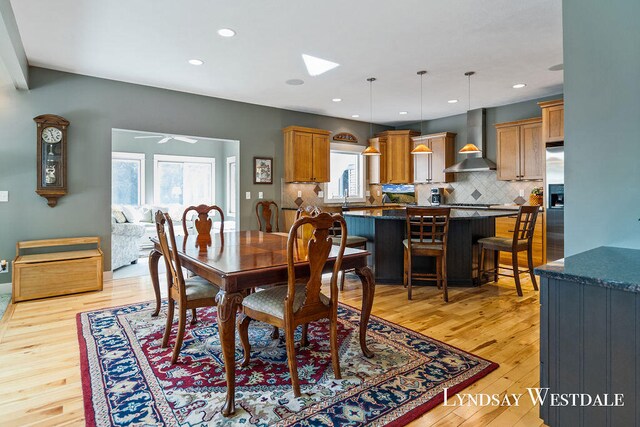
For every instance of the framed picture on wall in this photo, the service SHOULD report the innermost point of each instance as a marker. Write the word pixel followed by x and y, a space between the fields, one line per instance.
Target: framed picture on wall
pixel 263 170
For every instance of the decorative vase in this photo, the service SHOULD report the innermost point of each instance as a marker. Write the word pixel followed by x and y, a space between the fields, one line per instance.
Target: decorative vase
pixel 535 199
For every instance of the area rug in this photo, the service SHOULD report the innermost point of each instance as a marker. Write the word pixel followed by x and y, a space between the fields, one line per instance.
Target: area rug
pixel 127 378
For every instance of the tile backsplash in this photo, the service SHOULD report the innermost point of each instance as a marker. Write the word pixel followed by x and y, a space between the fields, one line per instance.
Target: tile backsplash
pixel 310 195
pixel 480 187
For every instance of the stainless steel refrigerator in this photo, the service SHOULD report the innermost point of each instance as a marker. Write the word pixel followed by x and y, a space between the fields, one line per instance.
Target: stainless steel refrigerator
pixel 554 202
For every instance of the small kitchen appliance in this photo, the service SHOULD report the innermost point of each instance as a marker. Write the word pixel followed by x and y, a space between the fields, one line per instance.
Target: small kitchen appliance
pixel 436 196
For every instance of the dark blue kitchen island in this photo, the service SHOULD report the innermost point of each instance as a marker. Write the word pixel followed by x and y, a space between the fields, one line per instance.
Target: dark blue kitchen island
pixel 386 228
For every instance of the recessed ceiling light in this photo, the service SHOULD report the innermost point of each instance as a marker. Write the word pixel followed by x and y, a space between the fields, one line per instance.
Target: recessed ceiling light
pixel 337 99
pixel 316 66
pixel 519 85
pixel 295 82
pixel 355 116
pixel 557 67
pixel 226 32
pixel 452 101
pixel 403 113
pixel 196 62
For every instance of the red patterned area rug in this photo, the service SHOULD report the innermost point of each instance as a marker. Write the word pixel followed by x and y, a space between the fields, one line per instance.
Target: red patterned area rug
pixel 127 378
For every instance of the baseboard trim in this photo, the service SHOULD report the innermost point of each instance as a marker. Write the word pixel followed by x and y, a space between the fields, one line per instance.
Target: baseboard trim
pixel 107 275
pixel 5 288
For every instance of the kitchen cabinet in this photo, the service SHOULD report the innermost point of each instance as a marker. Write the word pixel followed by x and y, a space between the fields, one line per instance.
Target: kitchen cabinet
pixel 552 120
pixel 429 168
pixel 521 152
pixel 394 165
pixel 505 227
pixel 306 154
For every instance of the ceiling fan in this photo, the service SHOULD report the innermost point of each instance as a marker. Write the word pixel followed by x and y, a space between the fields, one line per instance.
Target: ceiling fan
pixel 167 138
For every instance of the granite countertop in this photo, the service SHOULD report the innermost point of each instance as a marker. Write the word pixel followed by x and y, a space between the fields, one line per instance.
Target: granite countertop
pixel 608 267
pixel 351 206
pixel 456 214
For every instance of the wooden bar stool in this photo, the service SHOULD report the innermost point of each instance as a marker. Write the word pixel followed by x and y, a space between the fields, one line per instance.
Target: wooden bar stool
pixel 521 241
pixel 427 230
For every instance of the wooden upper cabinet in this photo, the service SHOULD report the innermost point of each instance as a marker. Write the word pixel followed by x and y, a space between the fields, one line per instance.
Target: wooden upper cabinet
pixel 520 150
pixel 552 120
pixel 306 154
pixel 396 164
pixel 429 168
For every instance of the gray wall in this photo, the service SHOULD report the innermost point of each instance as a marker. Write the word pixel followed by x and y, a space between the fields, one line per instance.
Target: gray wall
pixel 96 106
pixel 501 114
pixel 602 123
pixel 125 141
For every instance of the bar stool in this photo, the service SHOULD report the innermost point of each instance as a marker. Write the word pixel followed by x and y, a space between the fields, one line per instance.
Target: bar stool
pixel 427 231
pixel 521 241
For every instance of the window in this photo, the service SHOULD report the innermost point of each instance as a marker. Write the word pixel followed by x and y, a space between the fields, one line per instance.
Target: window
pixel 184 181
pixel 127 178
pixel 232 186
pixel 347 174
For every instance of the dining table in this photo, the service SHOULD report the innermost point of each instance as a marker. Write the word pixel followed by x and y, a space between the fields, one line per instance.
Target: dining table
pixel 238 262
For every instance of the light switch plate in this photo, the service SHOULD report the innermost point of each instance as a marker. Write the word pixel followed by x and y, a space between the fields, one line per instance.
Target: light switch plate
pixel 521 193
pixel 4 196
pixel 321 194
pixel 368 193
pixel 299 193
pixel 260 195
pixel 378 193
pixel 247 195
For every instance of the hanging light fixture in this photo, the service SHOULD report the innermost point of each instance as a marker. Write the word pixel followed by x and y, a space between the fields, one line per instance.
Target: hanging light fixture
pixel 421 148
pixel 371 150
pixel 469 148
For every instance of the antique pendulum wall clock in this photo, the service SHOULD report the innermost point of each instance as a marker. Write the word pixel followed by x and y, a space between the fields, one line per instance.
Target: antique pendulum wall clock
pixel 51 134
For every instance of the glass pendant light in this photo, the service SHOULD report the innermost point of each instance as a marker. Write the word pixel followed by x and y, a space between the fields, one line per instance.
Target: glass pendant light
pixel 421 148
pixel 469 148
pixel 371 150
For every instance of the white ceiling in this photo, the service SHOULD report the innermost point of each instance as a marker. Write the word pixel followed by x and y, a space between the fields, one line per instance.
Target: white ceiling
pixel 149 42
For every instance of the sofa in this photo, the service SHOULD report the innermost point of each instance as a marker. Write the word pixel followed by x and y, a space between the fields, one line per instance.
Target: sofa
pixel 132 227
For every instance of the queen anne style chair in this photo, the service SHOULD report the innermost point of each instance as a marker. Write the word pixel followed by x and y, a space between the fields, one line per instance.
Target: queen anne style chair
pixel 427 231
pixel 265 215
pixel 298 303
pixel 191 293
pixel 522 241
pixel 203 222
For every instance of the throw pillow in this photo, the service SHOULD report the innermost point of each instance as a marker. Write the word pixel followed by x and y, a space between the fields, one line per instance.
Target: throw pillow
pixel 118 216
pixel 132 213
pixel 147 215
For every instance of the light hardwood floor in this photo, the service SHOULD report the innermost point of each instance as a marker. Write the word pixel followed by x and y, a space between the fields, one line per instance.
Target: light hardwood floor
pixel 39 357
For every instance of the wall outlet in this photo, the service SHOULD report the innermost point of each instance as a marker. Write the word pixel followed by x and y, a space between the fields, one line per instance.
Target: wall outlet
pixel 521 193
pixel 4 266
pixel 4 196
pixel 367 193
pixel 378 193
pixel 321 194
pixel 247 195
pixel 260 195
pixel 299 193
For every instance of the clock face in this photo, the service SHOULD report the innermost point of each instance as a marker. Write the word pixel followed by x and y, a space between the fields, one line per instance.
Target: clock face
pixel 51 135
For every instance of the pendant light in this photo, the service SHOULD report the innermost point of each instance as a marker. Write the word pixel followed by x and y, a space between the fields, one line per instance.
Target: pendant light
pixel 421 148
pixel 371 150
pixel 469 148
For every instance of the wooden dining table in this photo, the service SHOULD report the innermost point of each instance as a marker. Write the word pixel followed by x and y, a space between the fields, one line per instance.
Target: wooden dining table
pixel 242 260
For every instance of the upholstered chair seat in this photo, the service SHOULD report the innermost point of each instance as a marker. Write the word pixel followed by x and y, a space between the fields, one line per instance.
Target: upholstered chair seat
pixel 503 243
pixel 417 244
pixel 197 288
pixel 271 300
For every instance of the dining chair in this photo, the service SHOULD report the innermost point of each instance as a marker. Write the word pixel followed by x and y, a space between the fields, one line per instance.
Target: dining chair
pixel 265 215
pixel 190 293
pixel 427 234
pixel 298 303
pixel 521 241
pixel 203 222
pixel 353 241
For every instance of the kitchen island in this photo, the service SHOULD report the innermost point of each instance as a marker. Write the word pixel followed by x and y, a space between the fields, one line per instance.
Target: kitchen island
pixel 386 228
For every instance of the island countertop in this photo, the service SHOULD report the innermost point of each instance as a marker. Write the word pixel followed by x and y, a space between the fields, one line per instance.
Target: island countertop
pixel 456 214
pixel 607 267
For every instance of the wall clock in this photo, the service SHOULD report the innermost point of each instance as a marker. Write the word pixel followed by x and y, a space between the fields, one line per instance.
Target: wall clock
pixel 51 142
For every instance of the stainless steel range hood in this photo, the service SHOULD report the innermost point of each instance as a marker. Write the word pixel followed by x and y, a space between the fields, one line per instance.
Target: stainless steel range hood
pixel 477 135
